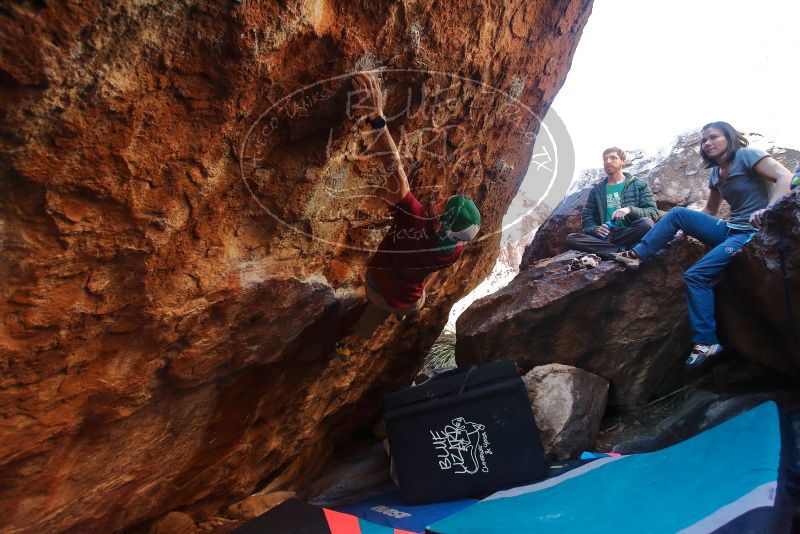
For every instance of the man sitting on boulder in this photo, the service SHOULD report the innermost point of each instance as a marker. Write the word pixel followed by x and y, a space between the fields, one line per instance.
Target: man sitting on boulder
pixel 419 241
pixel 618 213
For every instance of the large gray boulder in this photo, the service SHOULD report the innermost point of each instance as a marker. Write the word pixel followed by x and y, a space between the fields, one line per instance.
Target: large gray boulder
pixel 568 404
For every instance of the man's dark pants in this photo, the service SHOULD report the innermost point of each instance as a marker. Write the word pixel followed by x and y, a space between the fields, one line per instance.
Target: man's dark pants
pixel 624 237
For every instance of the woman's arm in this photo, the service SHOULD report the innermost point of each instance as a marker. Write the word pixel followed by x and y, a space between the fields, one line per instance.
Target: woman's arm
pixel 383 145
pixel 713 203
pixel 772 171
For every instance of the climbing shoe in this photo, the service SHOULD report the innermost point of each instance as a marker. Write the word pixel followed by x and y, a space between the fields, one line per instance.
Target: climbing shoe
pixel 628 258
pixel 701 355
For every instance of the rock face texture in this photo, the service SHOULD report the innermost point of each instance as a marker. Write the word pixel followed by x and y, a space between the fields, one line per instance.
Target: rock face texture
pixel 550 239
pixel 174 523
pixel 676 177
pixel 568 404
pixel 185 215
pixel 626 327
pixel 759 299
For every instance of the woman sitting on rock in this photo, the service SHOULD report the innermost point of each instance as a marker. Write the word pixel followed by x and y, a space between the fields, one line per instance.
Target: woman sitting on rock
pixel 738 175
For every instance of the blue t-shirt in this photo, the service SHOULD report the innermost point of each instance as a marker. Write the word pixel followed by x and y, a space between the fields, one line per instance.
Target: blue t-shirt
pixel 744 190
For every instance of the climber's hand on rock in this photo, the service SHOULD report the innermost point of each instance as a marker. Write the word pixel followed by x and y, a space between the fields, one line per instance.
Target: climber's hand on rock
pixel 602 231
pixel 370 97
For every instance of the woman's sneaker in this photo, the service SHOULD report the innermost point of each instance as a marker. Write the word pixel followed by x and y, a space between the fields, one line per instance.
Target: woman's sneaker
pixel 628 258
pixel 702 354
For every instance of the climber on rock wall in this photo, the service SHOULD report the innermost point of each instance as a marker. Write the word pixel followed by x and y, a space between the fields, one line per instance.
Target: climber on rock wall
pixel 420 241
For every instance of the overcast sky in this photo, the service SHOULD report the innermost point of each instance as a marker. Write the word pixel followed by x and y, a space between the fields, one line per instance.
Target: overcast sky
pixel 645 71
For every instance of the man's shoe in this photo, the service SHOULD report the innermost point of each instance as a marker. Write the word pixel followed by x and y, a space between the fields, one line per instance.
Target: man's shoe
pixel 628 258
pixel 701 355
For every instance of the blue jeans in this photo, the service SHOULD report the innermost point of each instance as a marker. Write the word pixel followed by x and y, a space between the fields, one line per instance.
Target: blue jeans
pixel 701 277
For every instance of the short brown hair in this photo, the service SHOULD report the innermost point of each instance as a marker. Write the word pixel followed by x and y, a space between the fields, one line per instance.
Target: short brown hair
pixel 618 150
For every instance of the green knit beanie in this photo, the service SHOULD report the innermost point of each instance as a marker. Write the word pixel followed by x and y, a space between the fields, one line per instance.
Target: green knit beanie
pixel 461 219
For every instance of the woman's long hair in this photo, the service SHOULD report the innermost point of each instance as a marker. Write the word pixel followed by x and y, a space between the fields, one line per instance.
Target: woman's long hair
pixel 735 141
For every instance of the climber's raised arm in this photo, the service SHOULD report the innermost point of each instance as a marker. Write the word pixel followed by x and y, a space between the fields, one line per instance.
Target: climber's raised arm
pixel 381 143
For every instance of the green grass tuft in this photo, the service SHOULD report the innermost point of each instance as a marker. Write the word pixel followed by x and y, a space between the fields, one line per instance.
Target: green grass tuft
pixel 443 351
